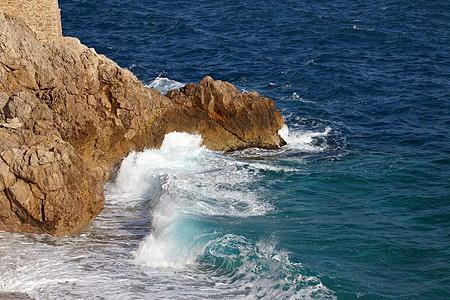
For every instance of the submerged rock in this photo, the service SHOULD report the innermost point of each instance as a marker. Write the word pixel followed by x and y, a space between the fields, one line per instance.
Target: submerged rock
pixel 68 115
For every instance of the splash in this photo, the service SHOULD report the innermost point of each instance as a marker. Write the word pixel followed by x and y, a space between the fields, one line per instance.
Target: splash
pixel 189 188
pixel 307 141
pixel 258 270
pixel 183 181
pixel 170 227
pixel 164 84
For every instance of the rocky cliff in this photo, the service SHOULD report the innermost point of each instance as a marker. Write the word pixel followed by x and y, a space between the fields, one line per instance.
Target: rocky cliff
pixel 68 115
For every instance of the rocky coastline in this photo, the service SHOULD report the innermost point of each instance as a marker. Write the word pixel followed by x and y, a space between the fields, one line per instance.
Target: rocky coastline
pixel 68 116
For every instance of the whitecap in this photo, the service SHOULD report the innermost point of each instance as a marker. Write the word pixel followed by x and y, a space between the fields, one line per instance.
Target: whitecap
pixel 180 180
pixel 259 270
pixel 164 84
pixel 296 97
pixel 305 140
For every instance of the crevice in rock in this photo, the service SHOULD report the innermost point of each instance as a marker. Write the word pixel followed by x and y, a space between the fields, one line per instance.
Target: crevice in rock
pixel 43 211
pixel 22 213
pixel 8 68
pixel 234 134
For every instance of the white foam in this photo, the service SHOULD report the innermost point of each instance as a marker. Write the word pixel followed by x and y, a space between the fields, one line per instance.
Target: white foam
pixel 162 194
pixel 231 266
pixel 259 269
pixel 296 97
pixel 270 167
pixel 140 172
pixel 63 268
pixel 188 171
pixel 182 179
pixel 164 84
pixel 303 140
pixel 162 247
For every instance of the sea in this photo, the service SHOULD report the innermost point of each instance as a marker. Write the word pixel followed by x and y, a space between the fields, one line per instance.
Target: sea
pixel 355 206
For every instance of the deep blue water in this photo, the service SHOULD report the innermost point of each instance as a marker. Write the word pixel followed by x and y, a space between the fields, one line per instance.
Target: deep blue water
pixel 356 206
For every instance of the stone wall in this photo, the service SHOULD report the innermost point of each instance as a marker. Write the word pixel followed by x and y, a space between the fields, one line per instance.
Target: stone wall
pixel 42 16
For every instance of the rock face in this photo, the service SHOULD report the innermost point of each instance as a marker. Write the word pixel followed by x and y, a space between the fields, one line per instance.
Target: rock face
pixel 44 186
pixel 68 115
pixel 227 119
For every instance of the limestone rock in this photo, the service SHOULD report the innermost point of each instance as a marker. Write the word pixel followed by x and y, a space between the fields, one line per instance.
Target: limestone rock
pixel 68 115
pixel 3 99
pixel 45 188
pixel 227 120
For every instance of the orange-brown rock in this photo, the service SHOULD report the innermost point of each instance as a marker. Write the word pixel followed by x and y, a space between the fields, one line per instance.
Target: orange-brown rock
pixel 226 119
pixel 45 187
pixel 68 115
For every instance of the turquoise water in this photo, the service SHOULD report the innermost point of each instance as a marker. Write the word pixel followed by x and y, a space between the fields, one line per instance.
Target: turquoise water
pixel 355 206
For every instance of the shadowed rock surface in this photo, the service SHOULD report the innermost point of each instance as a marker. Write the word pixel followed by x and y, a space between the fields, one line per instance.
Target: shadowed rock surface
pixel 68 115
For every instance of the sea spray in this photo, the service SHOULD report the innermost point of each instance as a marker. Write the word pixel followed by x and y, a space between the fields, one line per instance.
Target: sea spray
pixel 258 269
pixel 178 223
pixel 195 186
pixel 164 84
pixel 305 140
pixel 194 182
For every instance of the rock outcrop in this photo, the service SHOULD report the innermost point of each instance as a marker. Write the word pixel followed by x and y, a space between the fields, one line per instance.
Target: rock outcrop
pixel 226 119
pixel 68 115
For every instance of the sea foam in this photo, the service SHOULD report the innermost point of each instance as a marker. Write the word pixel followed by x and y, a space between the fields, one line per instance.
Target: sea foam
pixel 304 140
pixel 187 187
pixel 180 180
pixel 164 84
pixel 181 201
